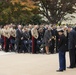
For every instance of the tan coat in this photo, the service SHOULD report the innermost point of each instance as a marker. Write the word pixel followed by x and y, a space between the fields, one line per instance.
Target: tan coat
pixel 12 32
pixel 6 33
pixel 34 33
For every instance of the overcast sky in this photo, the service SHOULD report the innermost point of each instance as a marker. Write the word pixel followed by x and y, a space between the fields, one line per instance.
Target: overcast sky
pixel 72 20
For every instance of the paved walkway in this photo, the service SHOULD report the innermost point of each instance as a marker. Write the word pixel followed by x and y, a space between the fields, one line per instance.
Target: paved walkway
pixel 31 64
pixel 6 53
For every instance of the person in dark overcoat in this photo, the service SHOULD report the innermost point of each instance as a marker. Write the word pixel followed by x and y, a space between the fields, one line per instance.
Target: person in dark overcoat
pixel 19 38
pixel 26 37
pixel 52 48
pixel 66 35
pixel 71 46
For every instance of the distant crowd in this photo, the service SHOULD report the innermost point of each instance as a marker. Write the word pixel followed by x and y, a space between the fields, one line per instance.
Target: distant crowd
pixel 31 38
pixel 36 39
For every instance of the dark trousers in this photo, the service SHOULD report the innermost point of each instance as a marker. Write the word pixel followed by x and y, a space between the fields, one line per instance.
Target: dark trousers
pixel 52 46
pixel 56 45
pixel 19 45
pixel 75 57
pixel 72 56
pixel 25 46
pixel 62 60
pixel 2 44
pixel 30 46
pixel 12 44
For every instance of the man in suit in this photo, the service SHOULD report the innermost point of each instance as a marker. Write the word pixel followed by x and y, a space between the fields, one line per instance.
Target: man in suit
pixel 53 31
pixel 26 37
pixel 66 35
pixel 71 46
pixel 19 38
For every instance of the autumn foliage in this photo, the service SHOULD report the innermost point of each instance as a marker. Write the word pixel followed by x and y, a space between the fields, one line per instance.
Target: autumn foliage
pixel 18 12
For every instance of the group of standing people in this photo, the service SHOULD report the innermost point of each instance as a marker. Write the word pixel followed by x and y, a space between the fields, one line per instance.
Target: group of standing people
pixel 55 39
pixel 62 48
pixel 27 38
pixel 7 37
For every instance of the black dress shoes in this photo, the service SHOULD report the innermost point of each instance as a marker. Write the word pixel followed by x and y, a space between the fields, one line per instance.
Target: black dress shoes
pixel 59 70
pixel 64 69
pixel 70 67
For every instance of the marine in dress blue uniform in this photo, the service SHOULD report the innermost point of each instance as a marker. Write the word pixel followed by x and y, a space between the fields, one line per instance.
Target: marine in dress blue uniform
pixel 61 50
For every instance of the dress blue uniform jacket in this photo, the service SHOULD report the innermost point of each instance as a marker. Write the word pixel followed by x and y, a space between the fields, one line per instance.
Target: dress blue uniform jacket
pixel 62 43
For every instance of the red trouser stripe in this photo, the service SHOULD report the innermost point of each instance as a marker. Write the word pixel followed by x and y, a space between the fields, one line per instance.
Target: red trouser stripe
pixel 33 44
